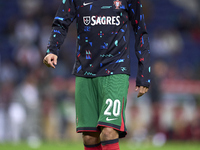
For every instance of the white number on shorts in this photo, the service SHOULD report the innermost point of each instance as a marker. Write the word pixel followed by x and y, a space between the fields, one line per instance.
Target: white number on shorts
pixel 116 107
pixel 107 111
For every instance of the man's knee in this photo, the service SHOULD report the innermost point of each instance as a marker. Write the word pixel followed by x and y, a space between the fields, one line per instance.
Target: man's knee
pixel 108 134
pixel 91 138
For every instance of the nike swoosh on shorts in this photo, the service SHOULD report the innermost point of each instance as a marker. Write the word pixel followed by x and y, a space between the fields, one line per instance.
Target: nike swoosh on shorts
pixel 110 119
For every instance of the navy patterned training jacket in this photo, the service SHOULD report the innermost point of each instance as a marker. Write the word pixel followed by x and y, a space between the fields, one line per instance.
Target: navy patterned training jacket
pixel 103 37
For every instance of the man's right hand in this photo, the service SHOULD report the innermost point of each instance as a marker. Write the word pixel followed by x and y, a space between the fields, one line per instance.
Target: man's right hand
pixel 50 60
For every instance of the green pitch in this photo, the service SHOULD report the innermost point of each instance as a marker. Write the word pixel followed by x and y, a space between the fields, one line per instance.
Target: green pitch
pixel 123 146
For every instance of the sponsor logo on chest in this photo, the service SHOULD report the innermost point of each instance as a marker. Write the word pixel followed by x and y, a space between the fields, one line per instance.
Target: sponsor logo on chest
pixel 101 20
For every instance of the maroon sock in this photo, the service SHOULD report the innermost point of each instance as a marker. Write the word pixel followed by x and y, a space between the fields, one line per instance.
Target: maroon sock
pixel 110 145
pixel 93 147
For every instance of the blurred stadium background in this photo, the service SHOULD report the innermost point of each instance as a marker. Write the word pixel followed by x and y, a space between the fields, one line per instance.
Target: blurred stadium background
pixel 37 103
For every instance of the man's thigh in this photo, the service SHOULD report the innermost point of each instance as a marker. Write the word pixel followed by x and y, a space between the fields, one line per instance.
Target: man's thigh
pixel 114 98
pixel 86 105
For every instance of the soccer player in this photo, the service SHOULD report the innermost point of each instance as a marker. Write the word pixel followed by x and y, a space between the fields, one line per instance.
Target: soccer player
pixel 102 65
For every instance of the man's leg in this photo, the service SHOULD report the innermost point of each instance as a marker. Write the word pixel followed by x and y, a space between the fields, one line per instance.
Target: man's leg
pixel 91 141
pixel 87 113
pixel 112 91
pixel 109 139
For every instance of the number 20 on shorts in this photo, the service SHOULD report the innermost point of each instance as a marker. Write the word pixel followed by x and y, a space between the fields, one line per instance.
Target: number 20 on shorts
pixel 113 107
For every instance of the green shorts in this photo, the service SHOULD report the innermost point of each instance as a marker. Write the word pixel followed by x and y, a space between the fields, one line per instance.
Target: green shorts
pixel 101 102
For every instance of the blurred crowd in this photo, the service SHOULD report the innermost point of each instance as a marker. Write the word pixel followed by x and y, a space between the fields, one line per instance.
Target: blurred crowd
pixel 37 102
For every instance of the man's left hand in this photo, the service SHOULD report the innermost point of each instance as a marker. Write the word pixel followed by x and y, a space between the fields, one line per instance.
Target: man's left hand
pixel 142 90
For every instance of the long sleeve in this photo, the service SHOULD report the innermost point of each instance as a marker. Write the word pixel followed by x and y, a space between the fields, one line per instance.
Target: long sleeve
pixel 64 17
pixel 136 17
